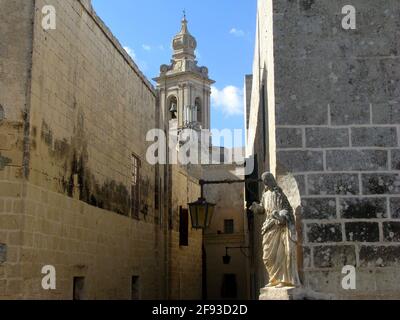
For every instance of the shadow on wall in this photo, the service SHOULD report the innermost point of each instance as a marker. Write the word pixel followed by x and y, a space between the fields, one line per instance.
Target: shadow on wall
pixel 2 114
pixel 291 188
pixel 76 178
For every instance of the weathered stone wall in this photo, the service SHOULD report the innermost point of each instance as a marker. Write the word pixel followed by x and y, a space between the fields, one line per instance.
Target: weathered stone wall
pixel 260 133
pixel 248 81
pixel 81 240
pixel 15 59
pixel 335 101
pixel 89 110
pixel 229 202
pixel 15 51
pixel 185 269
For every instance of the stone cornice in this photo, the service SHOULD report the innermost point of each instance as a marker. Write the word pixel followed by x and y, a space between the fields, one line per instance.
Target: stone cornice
pixel 184 74
pixel 115 42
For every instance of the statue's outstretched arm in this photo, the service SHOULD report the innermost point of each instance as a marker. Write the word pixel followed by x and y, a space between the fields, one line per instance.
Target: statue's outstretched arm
pixel 256 208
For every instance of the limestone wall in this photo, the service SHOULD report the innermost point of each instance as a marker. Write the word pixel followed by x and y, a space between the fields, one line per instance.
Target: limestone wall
pixel 90 108
pixel 229 202
pixel 335 103
pixel 15 47
pixel 185 269
pixel 90 112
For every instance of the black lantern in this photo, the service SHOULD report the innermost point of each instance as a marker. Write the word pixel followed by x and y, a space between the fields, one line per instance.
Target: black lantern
pixel 201 213
pixel 226 259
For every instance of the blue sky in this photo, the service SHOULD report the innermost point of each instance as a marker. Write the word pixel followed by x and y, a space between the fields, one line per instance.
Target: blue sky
pixel 224 30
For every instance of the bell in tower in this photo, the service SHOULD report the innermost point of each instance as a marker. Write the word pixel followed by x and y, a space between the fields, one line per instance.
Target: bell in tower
pixel 184 88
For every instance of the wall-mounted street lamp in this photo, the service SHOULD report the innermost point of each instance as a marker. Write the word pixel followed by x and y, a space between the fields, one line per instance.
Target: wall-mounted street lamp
pixel 201 211
pixel 227 258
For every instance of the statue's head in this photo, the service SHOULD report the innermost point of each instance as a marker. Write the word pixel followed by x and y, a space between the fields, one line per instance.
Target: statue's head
pixel 269 180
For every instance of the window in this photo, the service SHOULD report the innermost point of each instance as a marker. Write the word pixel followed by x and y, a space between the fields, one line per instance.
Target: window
pixel 197 104
pixel 135 188
pixel 229 226
pixel 79 287
pixel 135 288
pixel 183 227
pixel 173 108
pixel 229 287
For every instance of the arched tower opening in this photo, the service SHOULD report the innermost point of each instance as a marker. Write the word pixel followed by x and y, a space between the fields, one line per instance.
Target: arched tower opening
pixel 173 108
pixel 199 111
pixel 183 86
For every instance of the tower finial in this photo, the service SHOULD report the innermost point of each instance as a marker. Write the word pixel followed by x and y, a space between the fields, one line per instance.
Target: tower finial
pixel 184 15
pixel 184 23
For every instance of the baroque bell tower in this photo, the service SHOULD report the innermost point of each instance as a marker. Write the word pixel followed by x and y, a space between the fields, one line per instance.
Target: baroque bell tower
pixel 184 87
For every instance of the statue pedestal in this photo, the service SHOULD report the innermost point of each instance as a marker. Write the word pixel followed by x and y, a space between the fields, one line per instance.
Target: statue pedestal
pixel 290 293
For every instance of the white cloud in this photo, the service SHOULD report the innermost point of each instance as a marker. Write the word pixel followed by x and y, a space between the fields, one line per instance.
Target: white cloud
pixel 131 52
pixel 146 47
pixel 237 32
pixel 140 63
pixel 229 100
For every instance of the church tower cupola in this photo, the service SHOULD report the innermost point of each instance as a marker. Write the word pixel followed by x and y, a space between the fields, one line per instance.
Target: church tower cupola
pixel 184 44
pixel 184 88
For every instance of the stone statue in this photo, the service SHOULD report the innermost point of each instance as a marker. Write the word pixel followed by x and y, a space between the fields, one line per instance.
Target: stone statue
pixel 279 235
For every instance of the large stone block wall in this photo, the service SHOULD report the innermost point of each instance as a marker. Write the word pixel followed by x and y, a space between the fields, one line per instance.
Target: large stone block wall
pixel 87 109
pixel 15 51
pixel 48 228
pixel 80 240
pixel 229 200
pixel 260 133
pixel 91 110
pixel 332 117
pixel 337 129
pixel 185 269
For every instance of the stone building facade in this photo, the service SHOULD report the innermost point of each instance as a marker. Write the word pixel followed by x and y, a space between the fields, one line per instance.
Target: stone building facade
pixel 76 191
pixel 184 93
pixel 325 118
pixel 228 229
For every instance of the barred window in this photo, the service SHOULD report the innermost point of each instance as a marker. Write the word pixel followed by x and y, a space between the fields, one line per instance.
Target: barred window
pixel 135 187
pixel 229 226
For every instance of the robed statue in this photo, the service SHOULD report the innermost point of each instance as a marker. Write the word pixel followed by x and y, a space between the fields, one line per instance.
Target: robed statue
pixel 279 235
